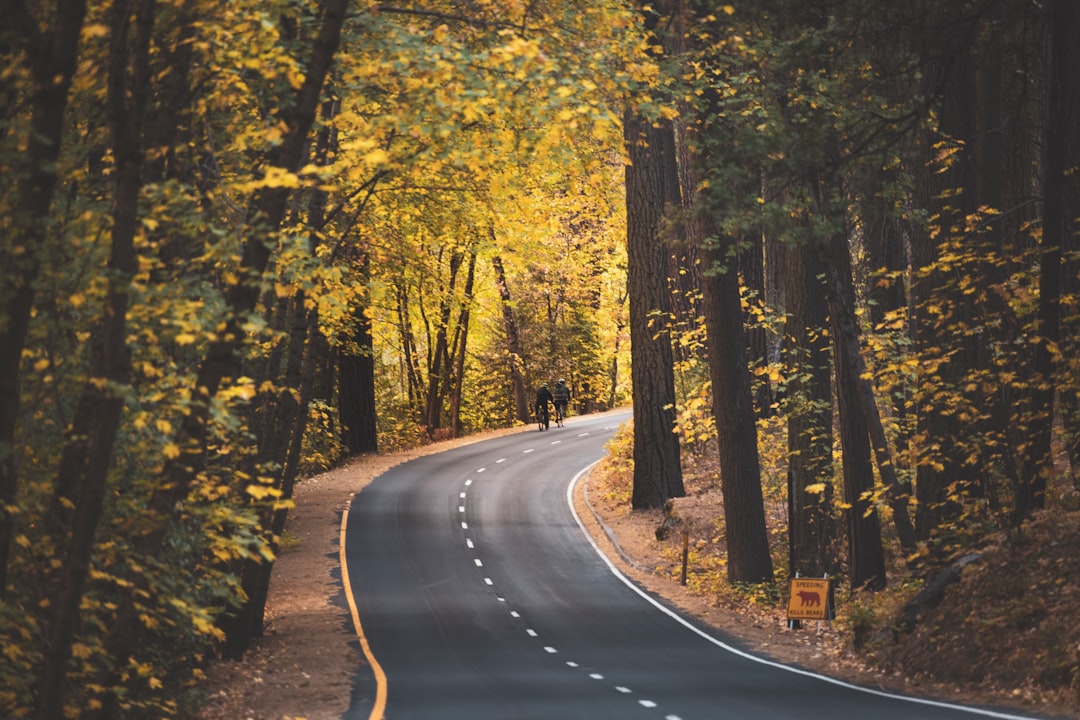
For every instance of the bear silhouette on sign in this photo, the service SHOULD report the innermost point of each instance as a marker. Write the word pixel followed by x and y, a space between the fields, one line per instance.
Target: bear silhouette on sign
pixel 808 598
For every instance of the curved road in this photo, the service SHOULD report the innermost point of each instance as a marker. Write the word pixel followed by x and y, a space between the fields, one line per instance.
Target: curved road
pixel 476 594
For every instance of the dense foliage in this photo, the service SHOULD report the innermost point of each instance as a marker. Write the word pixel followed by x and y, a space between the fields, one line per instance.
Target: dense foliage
pixel 242 240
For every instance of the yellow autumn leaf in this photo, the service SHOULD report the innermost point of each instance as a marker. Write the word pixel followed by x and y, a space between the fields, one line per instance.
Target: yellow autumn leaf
pixel 95 30
pixel 171 451
pixel 261 492
pixel 378 156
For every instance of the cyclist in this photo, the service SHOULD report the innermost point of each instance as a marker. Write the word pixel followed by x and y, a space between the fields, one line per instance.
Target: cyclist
pixel 561 399
pixel 543 411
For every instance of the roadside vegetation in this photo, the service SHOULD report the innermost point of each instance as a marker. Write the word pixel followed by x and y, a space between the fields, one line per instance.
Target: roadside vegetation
pixel 829 251
pixel 1000 632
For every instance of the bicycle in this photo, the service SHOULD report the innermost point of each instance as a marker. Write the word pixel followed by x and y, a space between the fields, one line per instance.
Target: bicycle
pixel 560 414
pixel 543 417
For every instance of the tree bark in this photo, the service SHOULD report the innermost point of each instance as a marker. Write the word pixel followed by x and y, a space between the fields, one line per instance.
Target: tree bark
pixel 411 370
pixel 52 57
pixel 808 409
pixel 848 342
pixel 752 269
pixel 740 470
pixel 886 253
pixel 356 381
pixel 287 415
pixel 941 473
pixel 460 346
pixel 657 464
pixel 1060 260
pixel 513 342
pixel 439 365
pixel 84 466
pixel 866 554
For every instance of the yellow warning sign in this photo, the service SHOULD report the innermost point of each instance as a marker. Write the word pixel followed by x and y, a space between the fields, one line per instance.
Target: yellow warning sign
pixel 809 599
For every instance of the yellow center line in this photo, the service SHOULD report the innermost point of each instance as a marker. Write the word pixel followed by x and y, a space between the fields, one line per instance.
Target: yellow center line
pixel 378 711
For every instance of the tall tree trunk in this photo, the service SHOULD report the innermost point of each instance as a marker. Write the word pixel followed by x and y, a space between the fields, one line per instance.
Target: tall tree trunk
pixel 1001 409
pixel 439 365
pixel 944 358
pixel 287 416
pixel 52 56
pixel 283 411
pixel 887 255
pixel 746 534
pixel 356 381
pixel 84 466
pixel 866 554
pixel 752 269
pixel 460 345
pixel 847 341
pixel 657 464
pixel 513 341
pixel 808 408
pixel 411 371
pixel 1060 266
pixel 858 403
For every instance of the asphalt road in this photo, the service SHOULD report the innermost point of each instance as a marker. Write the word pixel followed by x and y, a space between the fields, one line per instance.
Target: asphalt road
pixel 478 595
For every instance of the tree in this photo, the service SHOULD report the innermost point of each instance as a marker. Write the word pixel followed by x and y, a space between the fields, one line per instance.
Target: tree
pixel 733 409
pixel 657 466
pixel 84 468
pixel 513 345
pixel 48 59
pixel 808 407
pixel 1059 281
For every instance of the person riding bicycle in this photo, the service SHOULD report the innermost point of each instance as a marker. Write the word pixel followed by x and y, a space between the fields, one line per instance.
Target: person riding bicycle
pixel 543 411
pixel 562 399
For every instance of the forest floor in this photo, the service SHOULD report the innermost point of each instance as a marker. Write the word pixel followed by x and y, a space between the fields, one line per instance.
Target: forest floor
pixel 1006 635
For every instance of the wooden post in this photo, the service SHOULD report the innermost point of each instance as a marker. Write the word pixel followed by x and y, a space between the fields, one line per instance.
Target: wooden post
pixel 685 553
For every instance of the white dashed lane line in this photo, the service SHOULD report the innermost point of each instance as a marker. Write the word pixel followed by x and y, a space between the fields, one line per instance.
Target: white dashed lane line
pixel 463 496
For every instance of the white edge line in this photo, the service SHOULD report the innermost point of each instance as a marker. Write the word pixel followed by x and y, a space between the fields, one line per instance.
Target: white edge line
pixel 719 643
